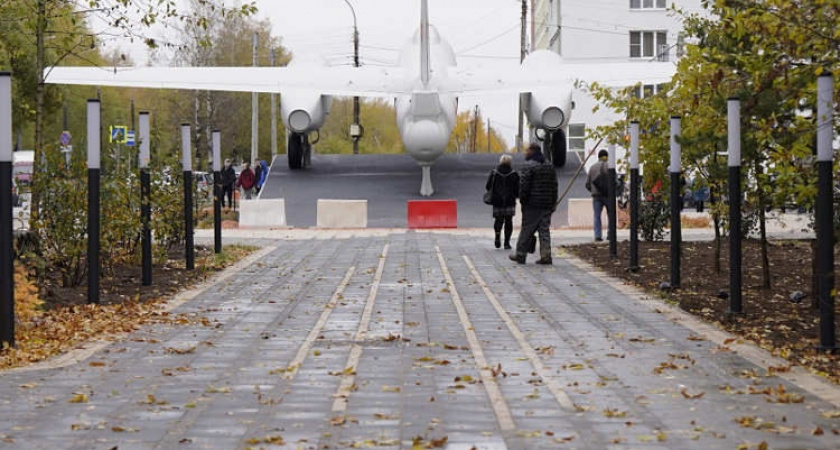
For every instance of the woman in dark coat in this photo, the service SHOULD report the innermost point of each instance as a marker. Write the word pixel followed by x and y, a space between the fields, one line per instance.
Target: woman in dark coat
pixel 504 183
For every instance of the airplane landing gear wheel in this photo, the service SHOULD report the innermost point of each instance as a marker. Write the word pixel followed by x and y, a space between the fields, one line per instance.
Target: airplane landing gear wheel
pixel 554 146
pixel 297 145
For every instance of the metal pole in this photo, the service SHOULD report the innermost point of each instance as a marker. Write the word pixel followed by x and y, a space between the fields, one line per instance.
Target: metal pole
pixel 356 106
pixel 634 196
pixel 488 135
pixel 94 144
pixel 273 114
pixel 255 112
pixel 676 200
pixel 734 163
pixel 522 52
pixel 611 218
pixel 186 163
pixel 7 276
pixel 217 190
pixel 825 210
pixel 145 196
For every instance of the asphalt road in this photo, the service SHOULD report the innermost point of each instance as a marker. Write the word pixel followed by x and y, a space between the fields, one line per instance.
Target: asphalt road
pixel 387 182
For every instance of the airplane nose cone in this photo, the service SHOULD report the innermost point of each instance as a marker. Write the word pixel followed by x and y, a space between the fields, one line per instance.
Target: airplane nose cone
pixel 425 140
pixel 553 118
pixel 299 120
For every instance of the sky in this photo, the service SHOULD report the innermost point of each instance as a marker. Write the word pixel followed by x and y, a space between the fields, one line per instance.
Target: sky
pixel 482 33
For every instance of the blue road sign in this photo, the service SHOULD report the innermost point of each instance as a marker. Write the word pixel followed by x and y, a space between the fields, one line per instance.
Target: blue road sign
pixel 118 133
pixel 65 138
pixel 129 138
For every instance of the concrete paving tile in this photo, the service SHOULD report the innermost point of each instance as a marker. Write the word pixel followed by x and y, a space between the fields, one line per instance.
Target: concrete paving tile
pixel 592 340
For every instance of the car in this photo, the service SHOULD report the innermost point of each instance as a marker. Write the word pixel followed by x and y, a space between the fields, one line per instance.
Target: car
pixel 203 186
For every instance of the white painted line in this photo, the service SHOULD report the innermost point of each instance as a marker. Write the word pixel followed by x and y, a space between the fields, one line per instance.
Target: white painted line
pixel 798 376
pixel 500 407
pixel 303 351
pixel 348 379
pixel 539 368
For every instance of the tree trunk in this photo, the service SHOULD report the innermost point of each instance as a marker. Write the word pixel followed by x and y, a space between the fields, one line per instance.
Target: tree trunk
pixel 718 237
pixel 815 279
pixel 40 65
pixel 762 226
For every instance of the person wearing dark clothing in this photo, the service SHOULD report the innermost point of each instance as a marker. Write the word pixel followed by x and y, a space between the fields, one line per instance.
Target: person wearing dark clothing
pixel 599 199
pixel 257 176
pixel 538 197
pixel 228 182
pixel 503 182
pixel 246 181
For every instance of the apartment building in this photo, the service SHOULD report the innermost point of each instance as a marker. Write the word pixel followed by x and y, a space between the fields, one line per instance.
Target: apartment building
pixel 602 31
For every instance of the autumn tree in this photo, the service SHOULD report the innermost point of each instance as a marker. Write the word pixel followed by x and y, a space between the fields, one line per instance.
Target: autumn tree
pixel 471 135
pixel 378 117
pixel 224 40
pixel 768 53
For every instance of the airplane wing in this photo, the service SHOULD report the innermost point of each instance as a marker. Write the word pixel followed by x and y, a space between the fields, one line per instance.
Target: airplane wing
pixel 344 81
pixel 543 69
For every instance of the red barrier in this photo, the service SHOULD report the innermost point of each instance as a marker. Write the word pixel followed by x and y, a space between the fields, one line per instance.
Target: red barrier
pixel 432 214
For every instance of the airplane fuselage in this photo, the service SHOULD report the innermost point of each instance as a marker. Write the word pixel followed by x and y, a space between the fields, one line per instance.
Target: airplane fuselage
pixel 426 117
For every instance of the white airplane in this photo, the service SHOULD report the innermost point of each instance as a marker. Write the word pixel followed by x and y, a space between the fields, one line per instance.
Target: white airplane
pixel 425 85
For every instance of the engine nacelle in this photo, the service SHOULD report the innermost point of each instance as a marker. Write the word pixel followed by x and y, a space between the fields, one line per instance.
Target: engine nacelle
pixel 303 112
pixel 549 110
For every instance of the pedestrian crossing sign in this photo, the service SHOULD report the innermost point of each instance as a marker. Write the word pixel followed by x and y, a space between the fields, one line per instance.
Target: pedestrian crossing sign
pixel 118 134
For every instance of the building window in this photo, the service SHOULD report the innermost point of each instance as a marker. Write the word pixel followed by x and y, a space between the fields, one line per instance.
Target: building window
pixel 577 136
pixel 647 4
pixel 649 44
pixel 648 90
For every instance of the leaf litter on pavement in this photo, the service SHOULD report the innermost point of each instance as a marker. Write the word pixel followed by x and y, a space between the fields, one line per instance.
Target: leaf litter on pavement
pixel 47 326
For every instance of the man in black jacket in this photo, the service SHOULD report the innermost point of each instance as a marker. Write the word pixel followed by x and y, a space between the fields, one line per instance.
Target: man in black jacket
pixel 538 196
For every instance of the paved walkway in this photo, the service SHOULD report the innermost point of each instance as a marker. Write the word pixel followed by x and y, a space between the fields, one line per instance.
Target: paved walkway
pixel 387 339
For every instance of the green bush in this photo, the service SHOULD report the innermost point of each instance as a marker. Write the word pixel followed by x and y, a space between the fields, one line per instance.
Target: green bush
pixel 61 224
pixel 653 217
pixel 61 221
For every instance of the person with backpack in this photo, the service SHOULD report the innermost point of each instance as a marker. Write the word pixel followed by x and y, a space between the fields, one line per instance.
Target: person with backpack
pixel 503 184
pixel 597 184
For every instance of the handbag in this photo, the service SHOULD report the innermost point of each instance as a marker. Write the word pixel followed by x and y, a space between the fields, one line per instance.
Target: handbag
pixel 488 194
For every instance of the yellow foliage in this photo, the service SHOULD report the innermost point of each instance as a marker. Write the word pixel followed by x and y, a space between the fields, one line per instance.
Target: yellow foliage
pixel 471 135
pixel 27 303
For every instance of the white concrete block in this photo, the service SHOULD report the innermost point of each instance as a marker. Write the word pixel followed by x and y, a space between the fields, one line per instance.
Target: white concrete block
pixel 262 213
pixel 342 213
pixel 580 213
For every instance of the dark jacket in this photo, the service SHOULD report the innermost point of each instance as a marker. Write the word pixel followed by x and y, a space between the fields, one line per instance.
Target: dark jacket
pixel 538 184
pixel 597 169
pixel 257 175
pixel 504 181
pixel 228 176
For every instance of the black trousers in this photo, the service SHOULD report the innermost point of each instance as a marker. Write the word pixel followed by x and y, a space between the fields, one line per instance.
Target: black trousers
pixel 507 221
pixel 227 191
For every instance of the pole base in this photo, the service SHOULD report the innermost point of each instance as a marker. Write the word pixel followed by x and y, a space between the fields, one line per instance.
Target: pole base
pixel 830 350
pixel 633 269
